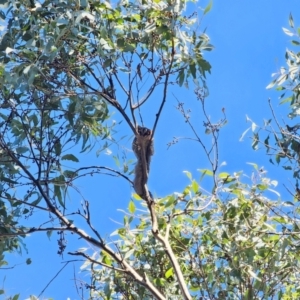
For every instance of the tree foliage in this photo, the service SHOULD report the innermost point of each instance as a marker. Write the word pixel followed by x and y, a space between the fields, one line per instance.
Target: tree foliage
pixel 66 66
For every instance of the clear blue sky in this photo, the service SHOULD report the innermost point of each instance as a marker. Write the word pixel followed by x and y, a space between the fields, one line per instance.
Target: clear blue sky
pixel 249 47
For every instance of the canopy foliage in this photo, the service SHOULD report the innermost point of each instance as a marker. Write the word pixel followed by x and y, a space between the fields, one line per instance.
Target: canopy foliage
pixel 65 67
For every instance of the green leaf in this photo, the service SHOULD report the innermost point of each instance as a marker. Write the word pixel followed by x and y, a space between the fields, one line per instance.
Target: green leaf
pixel 3 263
pixel 296 43
pixel 136 196
pixel 22 150
pixel 286 100
pixel 181 77
pixel 193 70
pixel 25 211
pixel 70 157
pixel 262 187
pixel 70 174
pixel 255 141
pixel 291 21
pixel 170 201
pixel 188 174
pixel 224 175
pixel 195 186
pixel 131 207
pixel 8 180
pixel 206 172
pixel 208 7
pixel 57 193
pixel 57 147
pixel 107 63
pixel 255 166
pixel 169 273
pixel 49 233
pixel 117 161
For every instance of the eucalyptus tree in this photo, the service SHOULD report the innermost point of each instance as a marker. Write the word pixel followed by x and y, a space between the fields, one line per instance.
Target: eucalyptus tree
pixel 66 66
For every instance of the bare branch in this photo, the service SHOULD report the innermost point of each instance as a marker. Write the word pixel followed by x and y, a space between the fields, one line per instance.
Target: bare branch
pixel 97 262
pixel 165 88
pixel 54 277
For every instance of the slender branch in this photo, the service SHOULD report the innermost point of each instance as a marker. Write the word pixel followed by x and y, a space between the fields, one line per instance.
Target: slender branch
pixel 97 262
pixel 143 280
pixel 273 113
pixel 88 219
pixel 165 88
pixel 189 210
pixel 52 279
pixel 104 168
pixel 121 84
pixel 147 95
pixel 152 87
pixel 215 143
pixel 30 204
pixel 33 229
pixel 93 74
pixel 110 100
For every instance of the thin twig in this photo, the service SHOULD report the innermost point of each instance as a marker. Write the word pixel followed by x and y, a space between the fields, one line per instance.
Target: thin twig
pixel 165 89
pixel 52 279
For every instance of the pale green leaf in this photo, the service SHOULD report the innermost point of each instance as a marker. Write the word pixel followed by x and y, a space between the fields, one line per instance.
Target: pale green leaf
pixel 26 70
pixel 131 207
pixel 188 174
pixel 169 273
pixel 195 186
pixel 251 273
pixel 262 187
pixel 287 32
pixel 136 196
pixel 255 166
pixel 170 201
pixel 129 253
pixel 208 7
pixel 224 175
pixel 206 172
pixel 286 100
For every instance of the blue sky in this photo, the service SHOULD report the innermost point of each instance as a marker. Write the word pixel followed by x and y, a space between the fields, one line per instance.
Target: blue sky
pixel 249 46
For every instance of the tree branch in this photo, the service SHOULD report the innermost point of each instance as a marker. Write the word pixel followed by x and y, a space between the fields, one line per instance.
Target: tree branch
pixel 71 227
pixel 165 88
